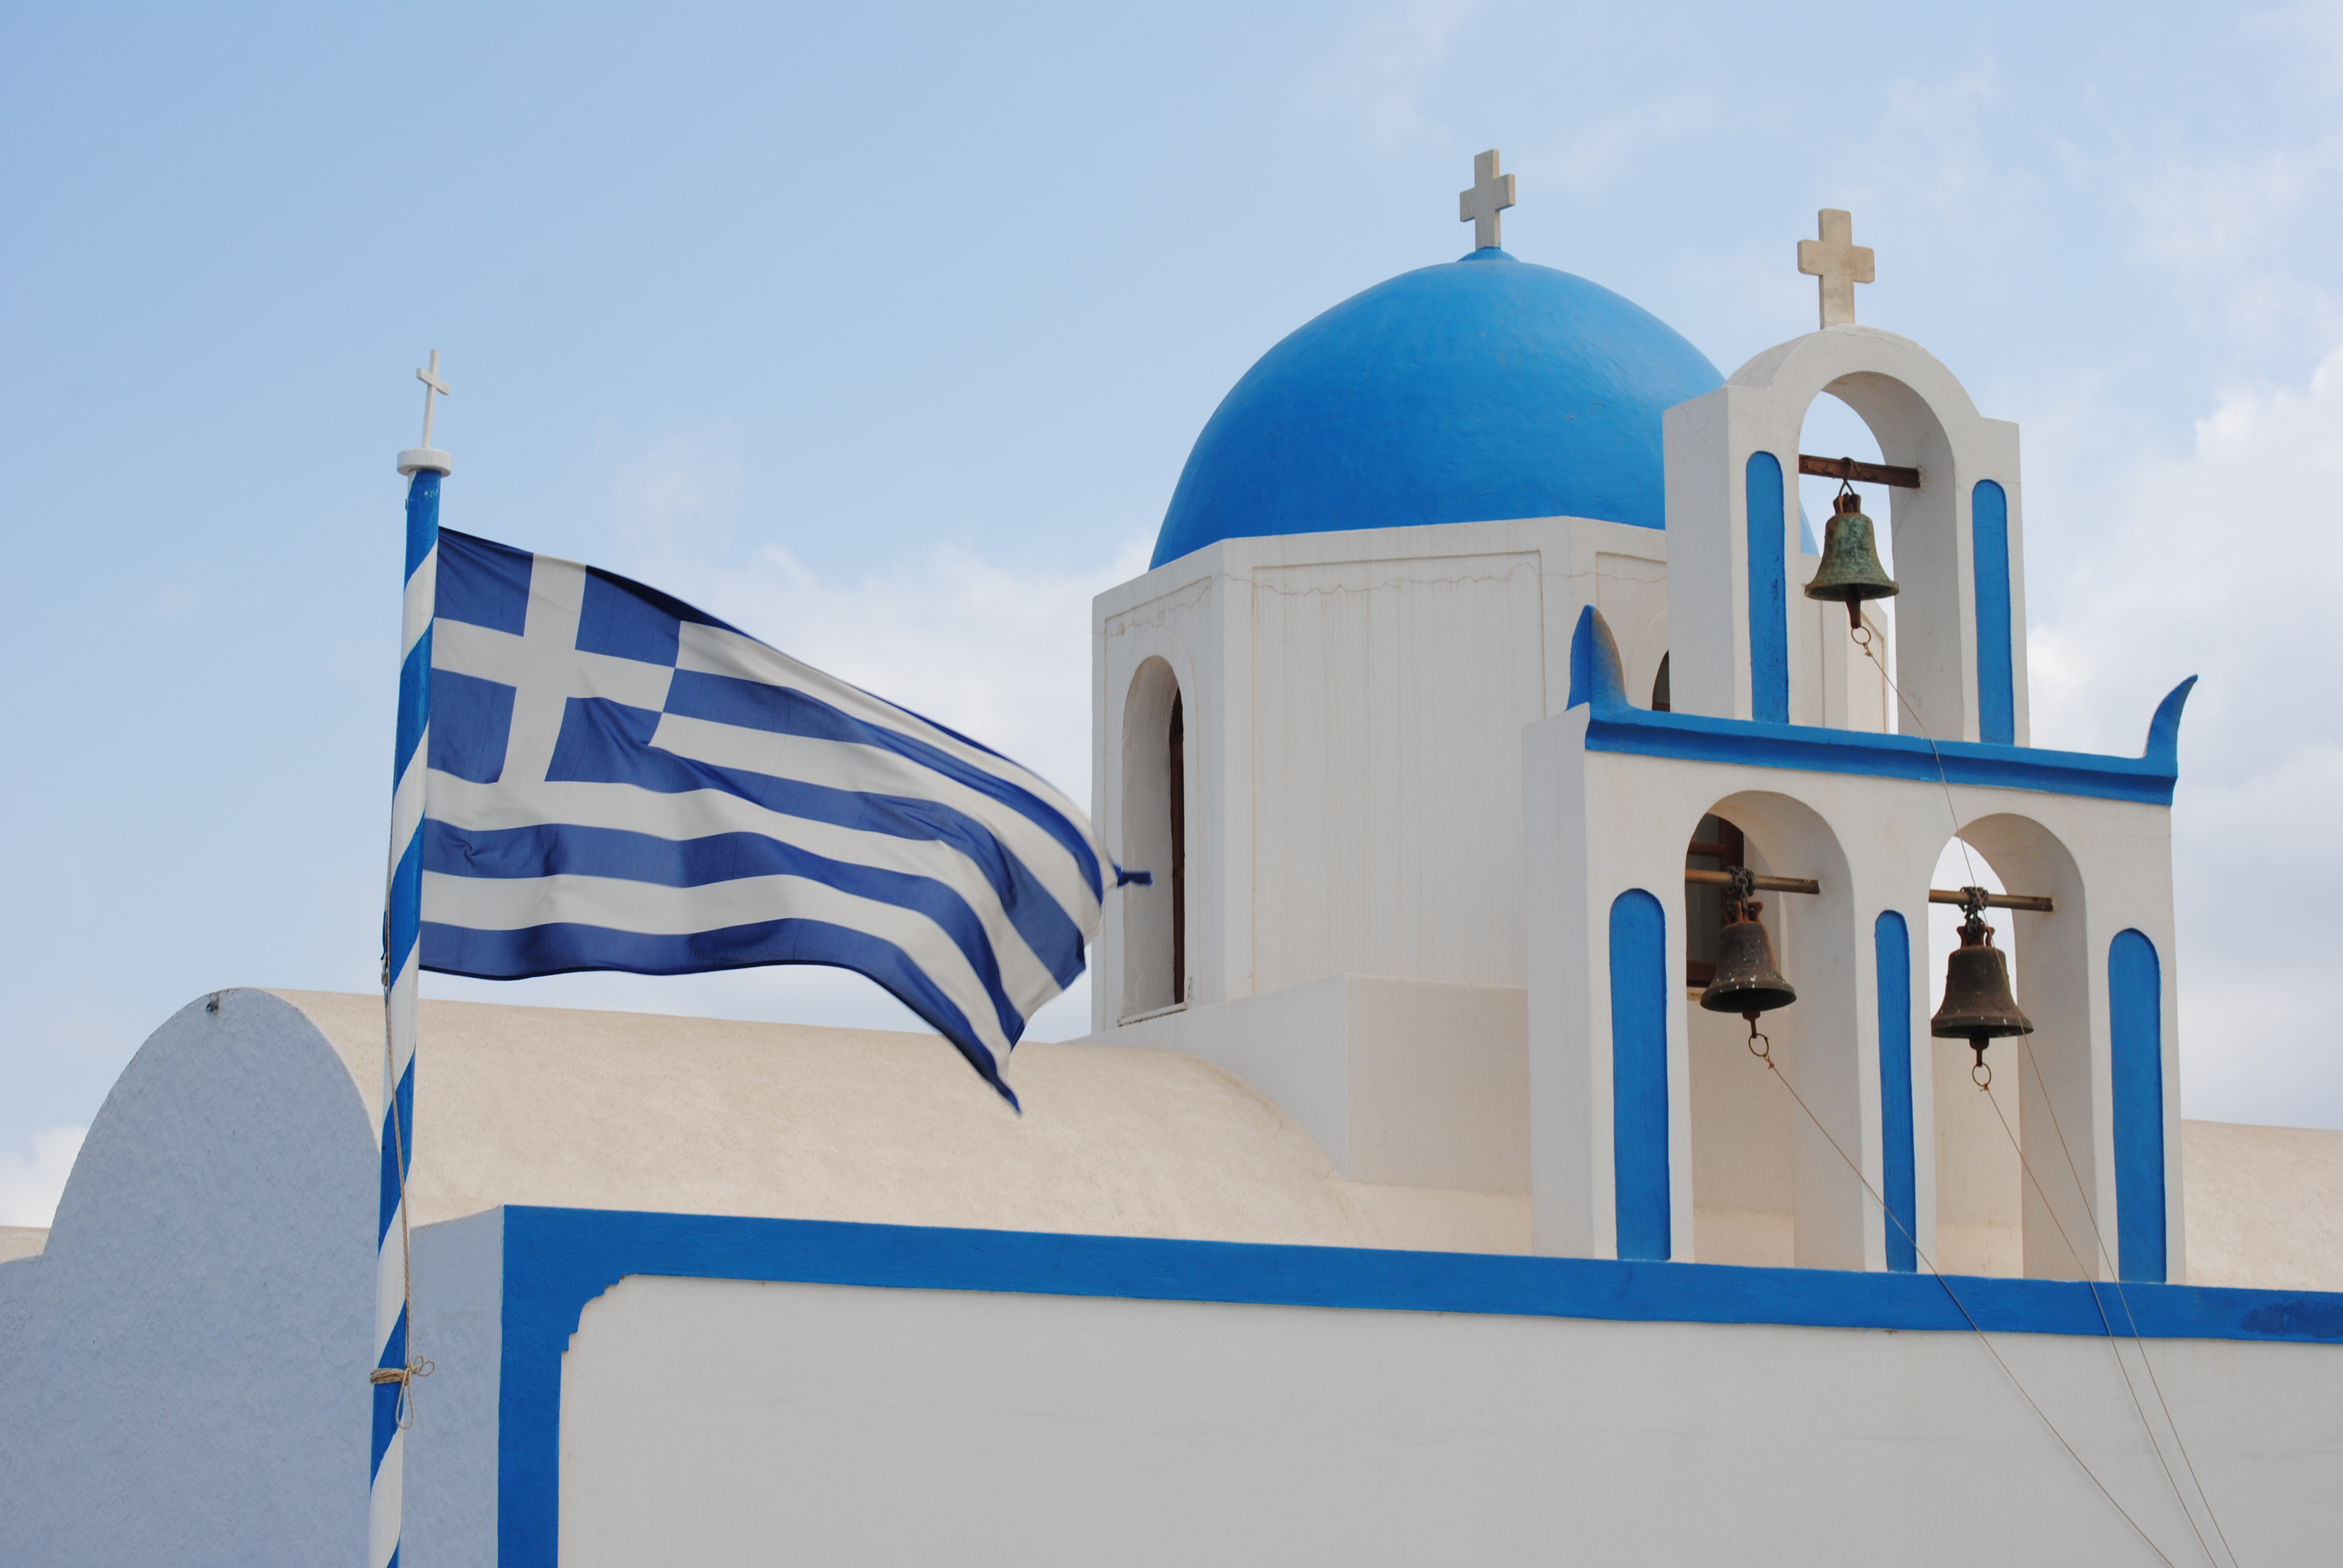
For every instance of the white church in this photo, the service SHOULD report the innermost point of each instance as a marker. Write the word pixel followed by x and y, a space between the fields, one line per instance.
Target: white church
pixel 1445 1176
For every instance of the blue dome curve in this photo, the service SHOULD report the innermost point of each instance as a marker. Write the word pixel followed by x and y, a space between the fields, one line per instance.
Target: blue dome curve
pixel 1476 389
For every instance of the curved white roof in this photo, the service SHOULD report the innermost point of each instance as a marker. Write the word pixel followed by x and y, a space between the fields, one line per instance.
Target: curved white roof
pixel 690 1115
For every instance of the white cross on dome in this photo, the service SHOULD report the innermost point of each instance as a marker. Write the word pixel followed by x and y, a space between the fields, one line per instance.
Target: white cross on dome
pixel 1492 193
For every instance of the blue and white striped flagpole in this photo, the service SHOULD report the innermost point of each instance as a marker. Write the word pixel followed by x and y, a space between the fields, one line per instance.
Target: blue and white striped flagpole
pixel 395 1367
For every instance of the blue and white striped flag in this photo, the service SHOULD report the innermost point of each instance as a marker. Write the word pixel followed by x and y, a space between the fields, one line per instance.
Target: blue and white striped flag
pixel 618 781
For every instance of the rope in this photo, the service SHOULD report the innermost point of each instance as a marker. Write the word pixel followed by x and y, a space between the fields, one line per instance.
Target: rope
pixel 2114 1348
pixel 1766 1056
pixel 1983 1075
pixel 1861 635
pixel 2115 1277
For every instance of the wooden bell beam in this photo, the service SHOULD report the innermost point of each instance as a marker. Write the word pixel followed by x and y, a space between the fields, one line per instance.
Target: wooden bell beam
pixel 1762 884
pixel 1849 470
pixel 2024 902
pixel 2031 905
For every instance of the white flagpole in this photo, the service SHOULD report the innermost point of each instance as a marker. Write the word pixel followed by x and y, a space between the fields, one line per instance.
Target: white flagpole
pixel 395 1365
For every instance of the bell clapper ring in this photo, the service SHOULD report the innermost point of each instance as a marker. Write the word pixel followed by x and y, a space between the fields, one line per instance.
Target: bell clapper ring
pixel 1759 1046
pixel 1981 1074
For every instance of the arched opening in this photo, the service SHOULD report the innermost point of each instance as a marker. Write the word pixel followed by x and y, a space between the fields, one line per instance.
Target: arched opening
pixel 2017 1189
pixel 1853 689
pixel 1155 840
pixel 1767 1188
pixel 1980 1184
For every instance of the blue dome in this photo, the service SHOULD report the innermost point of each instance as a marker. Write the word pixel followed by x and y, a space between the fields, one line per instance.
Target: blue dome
pixel 1477 389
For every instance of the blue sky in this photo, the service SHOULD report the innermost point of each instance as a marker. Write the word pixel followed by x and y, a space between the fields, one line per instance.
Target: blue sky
pixel 884 331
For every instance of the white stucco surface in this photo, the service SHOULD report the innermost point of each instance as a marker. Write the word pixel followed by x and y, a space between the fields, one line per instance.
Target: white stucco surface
pixel 184 1379
pixel 213 1256
pixel 701 1116
pixel 719 1422
pixel 2265 1206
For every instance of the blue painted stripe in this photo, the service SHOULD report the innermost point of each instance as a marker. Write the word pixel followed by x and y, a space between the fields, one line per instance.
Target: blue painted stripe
pixel 1989 552
pixel 556 849
pixel 784 710
pixel 2136 1028
pixel 1769 588
pixel 558 1260
pixel 401 1137
pixel 604 742
pixel 422 518
pixel 1813 750
pixel 414 705
pixel 566 949
pixel 1893 942
pixel 406 911
pixel 1639 1075
pixel 386 1396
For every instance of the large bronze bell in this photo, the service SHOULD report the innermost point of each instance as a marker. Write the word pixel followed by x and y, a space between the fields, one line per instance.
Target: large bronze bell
pixel 1978 1006
pixel 1851 572
pixel 1746 982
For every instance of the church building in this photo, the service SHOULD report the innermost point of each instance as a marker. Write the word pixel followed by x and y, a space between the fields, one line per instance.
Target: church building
pixel 1518 1121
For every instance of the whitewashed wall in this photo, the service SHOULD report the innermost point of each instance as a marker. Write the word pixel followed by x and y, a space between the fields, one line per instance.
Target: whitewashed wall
pixel 718 1423
pixel 188 1383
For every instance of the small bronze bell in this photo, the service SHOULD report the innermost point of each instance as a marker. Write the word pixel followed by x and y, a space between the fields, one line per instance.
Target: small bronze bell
pixel 1851 572
pixel 1746 982
pixel 1978 1006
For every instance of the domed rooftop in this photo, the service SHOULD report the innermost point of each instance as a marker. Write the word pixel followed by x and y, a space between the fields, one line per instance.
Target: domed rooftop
pixel 1477 389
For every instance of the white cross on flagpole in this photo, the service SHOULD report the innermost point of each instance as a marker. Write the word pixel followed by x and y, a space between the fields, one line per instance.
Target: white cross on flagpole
pixel 1492 193
pixel 1839 261
pixel 431 385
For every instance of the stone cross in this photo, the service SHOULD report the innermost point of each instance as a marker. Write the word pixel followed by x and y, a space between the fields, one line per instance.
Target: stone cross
pixel 1839 261
pixel 431 384
pixel 1492 194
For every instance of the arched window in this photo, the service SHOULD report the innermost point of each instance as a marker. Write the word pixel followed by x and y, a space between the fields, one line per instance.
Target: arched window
pixel 1177 775
pixel 1155 840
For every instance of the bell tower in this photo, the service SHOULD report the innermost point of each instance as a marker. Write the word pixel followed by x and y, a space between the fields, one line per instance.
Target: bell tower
pixel 1745 642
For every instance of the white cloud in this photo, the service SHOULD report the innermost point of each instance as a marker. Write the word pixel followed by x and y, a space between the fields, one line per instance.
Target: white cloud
pixel 2223 563
pixel 1380 69
pixel 31 1183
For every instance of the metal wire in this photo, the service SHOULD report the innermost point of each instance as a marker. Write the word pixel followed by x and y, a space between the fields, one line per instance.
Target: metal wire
pixel 1766 1056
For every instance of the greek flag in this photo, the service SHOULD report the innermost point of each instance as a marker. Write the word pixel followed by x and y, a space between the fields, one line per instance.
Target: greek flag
pixel 618 781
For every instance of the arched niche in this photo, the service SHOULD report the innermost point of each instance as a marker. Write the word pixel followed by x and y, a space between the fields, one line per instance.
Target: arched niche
pixel 1768 1189
pixel 1154 841
pixel 2055 1167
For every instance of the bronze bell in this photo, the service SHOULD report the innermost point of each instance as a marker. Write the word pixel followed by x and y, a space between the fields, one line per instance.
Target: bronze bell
pixel 1851 572
pixel 1746 982
pixel 1978 1006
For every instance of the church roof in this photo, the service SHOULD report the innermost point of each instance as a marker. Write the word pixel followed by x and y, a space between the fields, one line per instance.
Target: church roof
pixel 1475 390
pixel 688 1115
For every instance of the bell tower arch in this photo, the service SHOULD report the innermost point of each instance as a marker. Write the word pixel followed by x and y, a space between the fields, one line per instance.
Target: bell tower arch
pixel 1745 642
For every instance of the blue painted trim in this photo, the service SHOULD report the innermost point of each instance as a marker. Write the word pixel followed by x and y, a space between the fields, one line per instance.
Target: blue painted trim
pixel 1614 726
pixel 1893 941
pixel 1593 659
pixel 2135 1030
pixel 1769 591
pixel 1989 560
pixel 1639 1075
pixel 558 1260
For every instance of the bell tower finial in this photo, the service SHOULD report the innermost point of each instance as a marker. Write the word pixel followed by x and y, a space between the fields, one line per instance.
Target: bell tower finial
pixel 1492 193
pixel 1839 261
